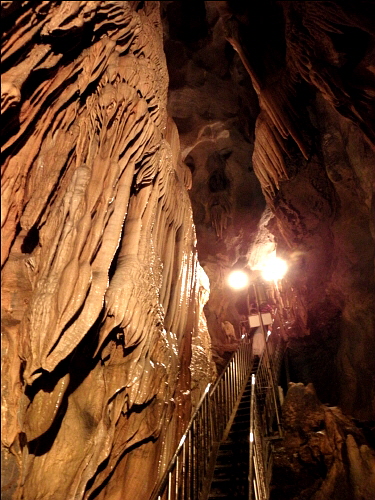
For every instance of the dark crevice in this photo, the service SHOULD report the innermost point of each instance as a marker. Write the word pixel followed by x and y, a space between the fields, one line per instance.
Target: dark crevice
pixel 31 240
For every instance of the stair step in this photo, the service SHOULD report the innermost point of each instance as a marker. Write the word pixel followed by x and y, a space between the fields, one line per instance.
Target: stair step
pixel 244 405
pixel 239 430
pixel 225 496
pixel 244 421
pixel 221 481
pixel 244 411
pixel 234 490
pixel 235 452
pixel 230 475
pixel 223 470
pixel 225 445
pixel 241 420
pixel 234 472
pixel 220 468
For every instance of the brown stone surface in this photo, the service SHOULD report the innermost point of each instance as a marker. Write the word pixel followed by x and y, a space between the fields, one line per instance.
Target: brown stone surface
pixel 302 123
pixel 105 347
pixel 107 203
pixel 323 454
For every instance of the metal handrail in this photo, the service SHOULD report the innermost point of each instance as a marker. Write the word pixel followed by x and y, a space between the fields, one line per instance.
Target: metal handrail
pixel 187 471
pixel 172 464
pixel 263 411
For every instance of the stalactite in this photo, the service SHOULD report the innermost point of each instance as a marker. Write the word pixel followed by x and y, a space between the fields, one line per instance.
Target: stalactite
pixel 268 156
pixel 311 55
pixel 277 121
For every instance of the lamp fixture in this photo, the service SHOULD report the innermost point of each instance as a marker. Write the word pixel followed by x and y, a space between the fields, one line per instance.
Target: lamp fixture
pixel 238 280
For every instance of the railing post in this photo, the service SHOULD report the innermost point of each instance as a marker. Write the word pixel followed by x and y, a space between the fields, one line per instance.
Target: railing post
pixel 170 486
pixel 190 464
pixel 268 362
pixel 251 437
pixel 177 475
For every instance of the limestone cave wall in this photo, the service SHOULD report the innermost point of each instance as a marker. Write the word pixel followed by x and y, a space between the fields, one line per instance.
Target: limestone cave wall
pixel 104 348
pixel 280 95
pixel 311 65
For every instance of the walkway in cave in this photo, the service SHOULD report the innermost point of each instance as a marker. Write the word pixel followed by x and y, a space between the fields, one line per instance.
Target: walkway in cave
pixel 233 426
pixel 231 473
pixel 230 478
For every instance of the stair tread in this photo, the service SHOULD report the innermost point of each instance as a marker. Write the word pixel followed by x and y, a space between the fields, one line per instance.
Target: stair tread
pixel 225 496
pixel 230 476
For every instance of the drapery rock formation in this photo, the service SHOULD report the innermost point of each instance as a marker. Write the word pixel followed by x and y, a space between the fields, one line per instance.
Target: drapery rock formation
pixel 314 156
pixel 105 346
pixel 215 108
pixel 104 336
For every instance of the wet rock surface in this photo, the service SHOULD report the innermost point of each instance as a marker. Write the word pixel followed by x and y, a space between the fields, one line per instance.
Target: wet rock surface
pixel 302 126
pixel 105 347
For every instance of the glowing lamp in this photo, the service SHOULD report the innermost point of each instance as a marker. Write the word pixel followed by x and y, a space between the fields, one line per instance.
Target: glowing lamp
pixel 238 280
pixel 274 269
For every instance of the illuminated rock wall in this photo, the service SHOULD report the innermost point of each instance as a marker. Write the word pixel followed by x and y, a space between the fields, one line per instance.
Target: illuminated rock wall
pixel 278 98
pixel 103 333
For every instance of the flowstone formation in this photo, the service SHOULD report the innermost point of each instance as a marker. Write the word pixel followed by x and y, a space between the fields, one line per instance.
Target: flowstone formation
pixel 105 347
pixel 114 115
pixel 215 108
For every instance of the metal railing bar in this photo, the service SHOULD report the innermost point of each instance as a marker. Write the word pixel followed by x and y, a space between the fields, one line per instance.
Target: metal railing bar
pixel 191 467
pixel 174 458
pixel 252 432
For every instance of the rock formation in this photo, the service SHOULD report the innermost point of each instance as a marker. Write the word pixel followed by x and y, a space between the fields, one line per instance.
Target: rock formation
pixel 323 453
pixel 296 96
pixel 104 336
pixel 137 137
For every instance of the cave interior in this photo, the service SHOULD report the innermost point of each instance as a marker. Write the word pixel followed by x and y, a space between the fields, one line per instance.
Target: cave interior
pixel 149 149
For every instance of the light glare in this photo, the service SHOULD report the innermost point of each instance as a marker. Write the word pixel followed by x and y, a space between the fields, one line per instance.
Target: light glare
pixel 238 280
pixel 274 269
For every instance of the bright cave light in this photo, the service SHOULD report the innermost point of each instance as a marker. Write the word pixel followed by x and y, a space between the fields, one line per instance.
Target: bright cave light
pixel 274 269
pixel 238 280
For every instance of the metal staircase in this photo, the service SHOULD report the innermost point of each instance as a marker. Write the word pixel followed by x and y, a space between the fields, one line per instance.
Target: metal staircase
pixel 226 451
pixel 230 478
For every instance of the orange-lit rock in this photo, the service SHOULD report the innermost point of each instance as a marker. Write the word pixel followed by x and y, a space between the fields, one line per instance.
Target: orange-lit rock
pixel 104 338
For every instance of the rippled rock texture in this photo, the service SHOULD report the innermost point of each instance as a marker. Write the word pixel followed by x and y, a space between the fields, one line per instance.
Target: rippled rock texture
pixel 105 346
pixel 215 108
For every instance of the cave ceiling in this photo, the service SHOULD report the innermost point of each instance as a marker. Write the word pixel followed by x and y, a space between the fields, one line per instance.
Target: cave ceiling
pixel 148 148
